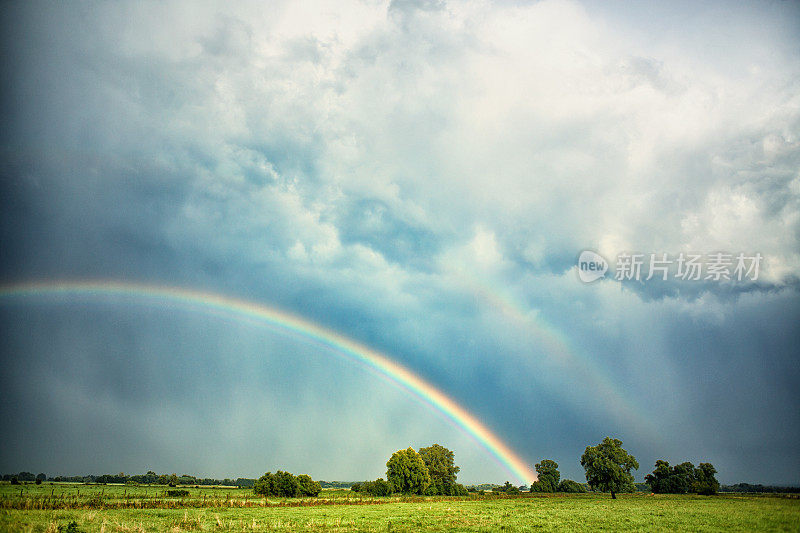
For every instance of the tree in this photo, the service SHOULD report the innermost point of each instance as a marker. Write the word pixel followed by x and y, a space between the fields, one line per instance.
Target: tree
pixel 265 485
pixel 608 467
pixel 659 480
pixel 308 487
pixel 682 478
pixel 704 480
pixel 407 473
pixel 548 475
pixel 440 463
pixel 286 484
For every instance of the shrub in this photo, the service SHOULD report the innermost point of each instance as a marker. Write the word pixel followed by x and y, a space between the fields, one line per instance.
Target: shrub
pixel 683 478
pixel 457 489
pixel 72 527
pixel 286 485
pixel 539 486
pixel 178 493
pixel 379 487
pixel 567 485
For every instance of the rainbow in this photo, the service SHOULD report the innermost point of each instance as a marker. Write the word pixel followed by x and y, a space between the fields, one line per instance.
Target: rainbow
pixel 586 371
pixel 247 310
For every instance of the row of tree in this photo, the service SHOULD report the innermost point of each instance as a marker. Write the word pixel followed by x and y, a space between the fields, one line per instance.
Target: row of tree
pixel 150 478
pixel 432 471
pixel 24 477
pixel 749 487
pixel 608 469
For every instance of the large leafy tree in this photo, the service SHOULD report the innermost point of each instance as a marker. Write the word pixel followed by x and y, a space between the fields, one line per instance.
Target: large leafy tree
pixel 682 478
pixel 441 468
pixel 704 480
pixel 608 467
pixel 307 486
pixel 659 480
pixel 548 475
pixel 407 473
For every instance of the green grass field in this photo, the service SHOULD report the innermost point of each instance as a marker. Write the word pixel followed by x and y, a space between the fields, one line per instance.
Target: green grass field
pixel 118 508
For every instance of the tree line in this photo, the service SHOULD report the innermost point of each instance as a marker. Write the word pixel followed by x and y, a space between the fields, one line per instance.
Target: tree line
pixel 150 478
pixel 431 471
pixel 748 487
pixel 608 469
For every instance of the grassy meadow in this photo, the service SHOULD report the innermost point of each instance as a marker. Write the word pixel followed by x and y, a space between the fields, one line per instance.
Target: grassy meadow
pixel 93 508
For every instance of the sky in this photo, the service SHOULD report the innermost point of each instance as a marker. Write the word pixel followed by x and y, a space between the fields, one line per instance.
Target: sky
pixel 419 177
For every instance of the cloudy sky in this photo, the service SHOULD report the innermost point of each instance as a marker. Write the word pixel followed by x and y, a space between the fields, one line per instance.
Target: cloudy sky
pixel 420 177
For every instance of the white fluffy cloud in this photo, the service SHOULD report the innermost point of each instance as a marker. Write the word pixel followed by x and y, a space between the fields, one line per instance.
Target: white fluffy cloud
pixel 526 120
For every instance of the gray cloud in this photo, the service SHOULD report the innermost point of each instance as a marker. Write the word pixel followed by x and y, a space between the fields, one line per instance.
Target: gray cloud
pixel 420 178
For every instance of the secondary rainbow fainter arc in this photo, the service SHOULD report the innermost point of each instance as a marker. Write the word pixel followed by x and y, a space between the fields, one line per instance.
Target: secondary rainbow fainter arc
pixel 272 316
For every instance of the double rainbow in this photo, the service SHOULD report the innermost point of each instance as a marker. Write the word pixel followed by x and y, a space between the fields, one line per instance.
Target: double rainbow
pixel 246 310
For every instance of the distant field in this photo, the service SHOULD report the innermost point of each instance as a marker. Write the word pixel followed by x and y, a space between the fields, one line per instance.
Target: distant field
pixel 125 509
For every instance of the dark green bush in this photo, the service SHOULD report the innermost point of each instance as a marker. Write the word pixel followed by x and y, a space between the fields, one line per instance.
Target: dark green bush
pixel 379 487
pixel 308 487
pixel 286 485
pixel 683 478
pixel 72 527
pixel 567 485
